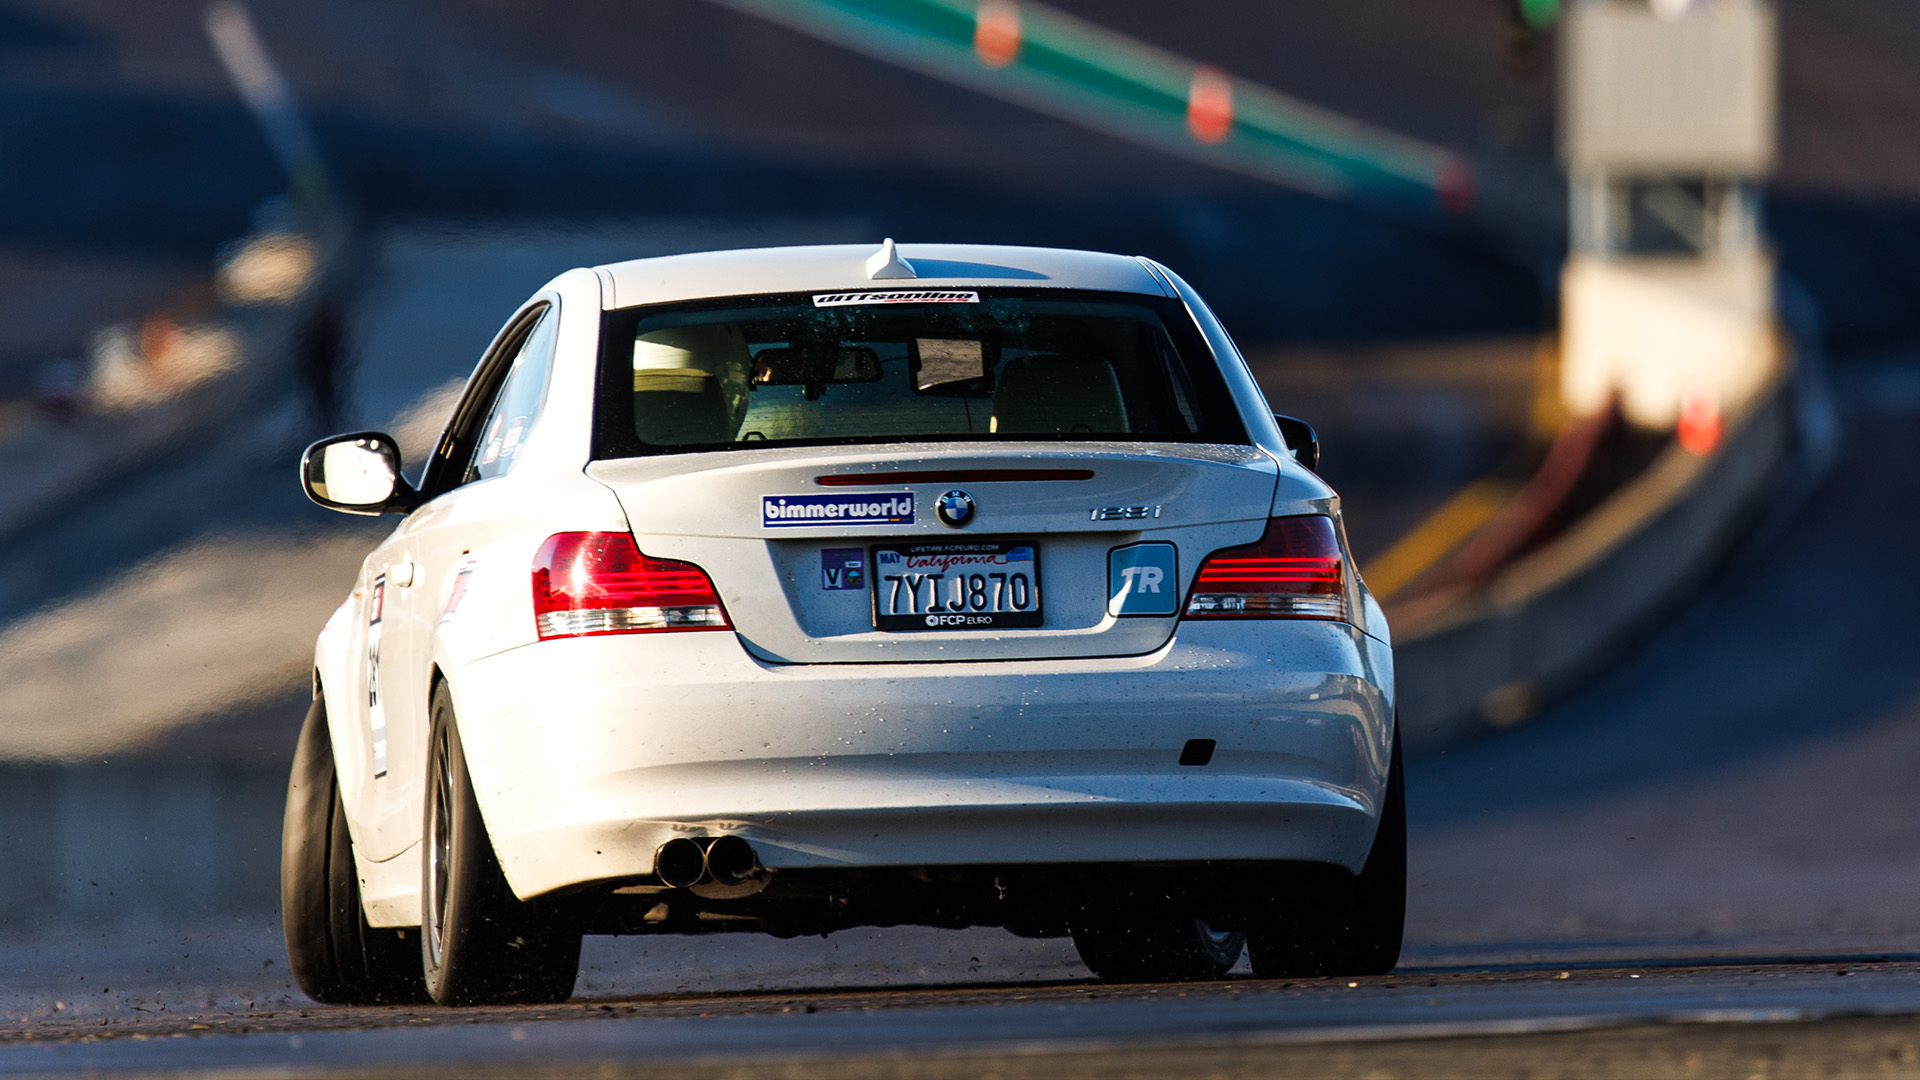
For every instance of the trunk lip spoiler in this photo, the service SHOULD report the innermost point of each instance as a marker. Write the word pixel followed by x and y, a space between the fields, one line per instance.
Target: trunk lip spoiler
pixel 950 476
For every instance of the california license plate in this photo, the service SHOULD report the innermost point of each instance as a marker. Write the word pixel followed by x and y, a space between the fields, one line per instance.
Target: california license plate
pixel 988 585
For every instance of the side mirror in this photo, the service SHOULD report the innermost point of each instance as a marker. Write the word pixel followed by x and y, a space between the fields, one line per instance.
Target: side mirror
pixel 357 474
pixel 1301 440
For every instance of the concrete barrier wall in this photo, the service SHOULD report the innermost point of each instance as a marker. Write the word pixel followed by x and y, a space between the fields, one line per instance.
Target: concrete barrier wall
pixel 1563 611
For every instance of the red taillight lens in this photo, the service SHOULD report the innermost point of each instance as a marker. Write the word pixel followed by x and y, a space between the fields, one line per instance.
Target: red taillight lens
pixel 1294 572
pixel 599 583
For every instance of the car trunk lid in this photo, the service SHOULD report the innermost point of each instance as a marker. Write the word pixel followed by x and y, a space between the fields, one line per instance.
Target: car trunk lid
pixel 790 539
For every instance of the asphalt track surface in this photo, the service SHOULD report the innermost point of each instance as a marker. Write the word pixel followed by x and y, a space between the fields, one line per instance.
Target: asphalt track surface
pixel 1714 843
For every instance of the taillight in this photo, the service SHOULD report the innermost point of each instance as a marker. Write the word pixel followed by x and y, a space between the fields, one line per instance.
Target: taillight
pixel 599 583
pixel 1294 572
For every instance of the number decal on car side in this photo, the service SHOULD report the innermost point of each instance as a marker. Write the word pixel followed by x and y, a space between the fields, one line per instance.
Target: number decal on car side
pixel 376 710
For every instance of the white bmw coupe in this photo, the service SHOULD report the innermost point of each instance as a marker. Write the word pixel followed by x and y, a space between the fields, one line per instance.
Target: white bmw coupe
pixel 799 589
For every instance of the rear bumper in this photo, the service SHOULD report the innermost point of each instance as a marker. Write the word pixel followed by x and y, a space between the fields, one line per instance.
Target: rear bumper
pixel 588 754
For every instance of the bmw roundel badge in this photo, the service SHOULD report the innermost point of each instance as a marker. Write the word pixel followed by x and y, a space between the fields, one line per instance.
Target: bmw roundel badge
pixel 955 508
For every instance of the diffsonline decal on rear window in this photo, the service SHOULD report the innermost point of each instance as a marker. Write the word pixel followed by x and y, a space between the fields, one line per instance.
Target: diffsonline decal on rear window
pixel 897 296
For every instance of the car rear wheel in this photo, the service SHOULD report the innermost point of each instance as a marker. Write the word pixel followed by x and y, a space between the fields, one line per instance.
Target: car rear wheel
pixel 1352 926
pixel 481 944
pixel 1155 947
pixel 336 957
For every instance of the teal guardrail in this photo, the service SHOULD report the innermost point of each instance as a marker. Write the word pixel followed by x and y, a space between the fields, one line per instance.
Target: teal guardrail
pixel 1066 66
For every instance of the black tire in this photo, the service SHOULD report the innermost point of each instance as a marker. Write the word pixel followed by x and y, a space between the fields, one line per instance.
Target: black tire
pixel 481 944
pixel 1352 925
pixel 336 957
pixel 1155 947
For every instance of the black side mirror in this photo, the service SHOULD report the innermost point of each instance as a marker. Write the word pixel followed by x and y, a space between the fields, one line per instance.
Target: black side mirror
pixel 1301 440
pixel 357 474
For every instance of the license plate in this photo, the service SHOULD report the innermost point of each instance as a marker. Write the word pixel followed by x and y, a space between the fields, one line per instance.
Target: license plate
pixel 956 586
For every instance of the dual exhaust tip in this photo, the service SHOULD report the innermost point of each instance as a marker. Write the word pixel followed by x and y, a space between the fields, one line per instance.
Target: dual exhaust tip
pixel 685 861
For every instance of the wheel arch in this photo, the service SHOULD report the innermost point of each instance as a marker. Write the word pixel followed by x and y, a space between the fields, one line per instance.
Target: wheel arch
pixel 350 751
pixel 483 771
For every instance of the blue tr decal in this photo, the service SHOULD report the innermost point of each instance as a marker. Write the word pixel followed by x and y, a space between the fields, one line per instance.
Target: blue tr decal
pixel 1143 579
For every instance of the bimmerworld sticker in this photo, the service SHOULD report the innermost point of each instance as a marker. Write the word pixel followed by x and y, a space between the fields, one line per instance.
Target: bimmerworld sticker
pixel 897 296
pixel 800 511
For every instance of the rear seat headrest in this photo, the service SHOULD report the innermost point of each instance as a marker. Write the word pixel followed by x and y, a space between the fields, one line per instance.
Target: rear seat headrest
pixel 680 407
pixel 1056 394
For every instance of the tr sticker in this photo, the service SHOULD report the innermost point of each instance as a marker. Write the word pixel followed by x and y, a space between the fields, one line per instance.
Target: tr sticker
pixel 1143 579
pixel 843 568
pixel 800 511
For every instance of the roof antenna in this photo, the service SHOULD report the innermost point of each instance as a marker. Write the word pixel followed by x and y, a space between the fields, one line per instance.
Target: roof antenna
pixel 887 263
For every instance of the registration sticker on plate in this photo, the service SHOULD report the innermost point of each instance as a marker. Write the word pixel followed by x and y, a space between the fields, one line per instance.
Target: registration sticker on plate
pixel 983 585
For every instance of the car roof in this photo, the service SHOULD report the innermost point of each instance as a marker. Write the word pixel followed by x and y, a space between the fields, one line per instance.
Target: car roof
pixel 841 267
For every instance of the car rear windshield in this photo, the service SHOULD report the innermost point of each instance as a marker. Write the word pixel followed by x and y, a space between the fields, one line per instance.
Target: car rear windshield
pixel 907 365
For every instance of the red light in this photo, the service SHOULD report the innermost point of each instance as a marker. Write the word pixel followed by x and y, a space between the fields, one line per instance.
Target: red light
pixel 1457 186
pixel 1294 572
pixel 1699 426
pixel 587 583
pixel 1209 104
pixel 996 32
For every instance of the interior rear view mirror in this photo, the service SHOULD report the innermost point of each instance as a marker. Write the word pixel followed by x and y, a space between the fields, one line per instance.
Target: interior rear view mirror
pixel 356 474
pixel 1301 440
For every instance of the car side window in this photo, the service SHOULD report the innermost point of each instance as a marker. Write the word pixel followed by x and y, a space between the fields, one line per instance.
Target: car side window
pixel 516 405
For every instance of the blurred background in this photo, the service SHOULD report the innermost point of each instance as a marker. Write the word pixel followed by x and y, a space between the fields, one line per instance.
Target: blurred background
pixel 1606 312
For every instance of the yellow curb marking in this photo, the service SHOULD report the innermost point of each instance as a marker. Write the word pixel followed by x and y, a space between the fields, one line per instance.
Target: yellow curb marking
pixel 1441 532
